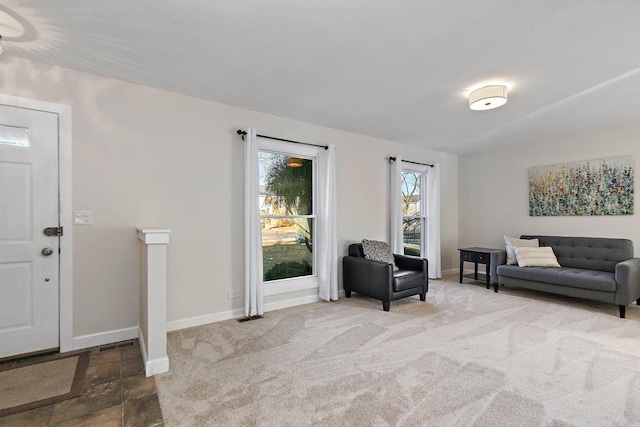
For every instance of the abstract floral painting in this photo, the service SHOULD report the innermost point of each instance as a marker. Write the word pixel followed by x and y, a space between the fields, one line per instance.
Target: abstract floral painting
pixel 592 187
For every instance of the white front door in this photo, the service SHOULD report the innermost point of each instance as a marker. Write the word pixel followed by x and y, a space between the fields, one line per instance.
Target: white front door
pixel 29 259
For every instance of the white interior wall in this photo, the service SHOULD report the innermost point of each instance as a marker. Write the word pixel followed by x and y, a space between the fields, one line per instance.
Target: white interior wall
pixel 151 158
pixel 494 192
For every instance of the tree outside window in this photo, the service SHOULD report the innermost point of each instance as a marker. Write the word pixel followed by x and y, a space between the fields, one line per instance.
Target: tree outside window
pixel 413 213
pixel 287 215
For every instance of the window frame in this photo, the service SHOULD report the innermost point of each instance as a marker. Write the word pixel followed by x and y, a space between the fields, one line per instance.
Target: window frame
pixel 293 284
pixel 422 170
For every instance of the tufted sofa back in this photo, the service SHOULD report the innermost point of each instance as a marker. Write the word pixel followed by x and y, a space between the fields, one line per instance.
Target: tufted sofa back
pixel 589 253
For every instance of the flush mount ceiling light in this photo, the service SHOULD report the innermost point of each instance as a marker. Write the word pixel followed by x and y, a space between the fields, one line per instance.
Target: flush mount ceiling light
pixel 488 97
pixel 1 46
pixel 293 162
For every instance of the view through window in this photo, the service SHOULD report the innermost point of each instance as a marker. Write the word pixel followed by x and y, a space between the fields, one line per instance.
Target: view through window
pixel 287 215
pixel 413 213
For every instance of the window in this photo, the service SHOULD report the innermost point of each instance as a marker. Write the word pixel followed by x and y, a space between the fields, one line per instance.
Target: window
pixel 290 220
pixel 287 212
pixel 14 135
pixel 414 218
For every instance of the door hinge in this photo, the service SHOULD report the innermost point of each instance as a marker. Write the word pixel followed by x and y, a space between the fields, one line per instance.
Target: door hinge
pixel 53 231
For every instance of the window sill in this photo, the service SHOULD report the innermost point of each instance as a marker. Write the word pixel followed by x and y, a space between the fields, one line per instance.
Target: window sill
pixel 284 286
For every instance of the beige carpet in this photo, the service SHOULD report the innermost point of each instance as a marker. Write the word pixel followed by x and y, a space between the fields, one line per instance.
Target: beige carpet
pixel 41 381
pixel 466 356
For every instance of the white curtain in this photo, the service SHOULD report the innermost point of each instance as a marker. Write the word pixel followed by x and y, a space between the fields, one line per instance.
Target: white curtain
pixel 395 196
pixel 433 222
pixel 253 286
pixel 327 236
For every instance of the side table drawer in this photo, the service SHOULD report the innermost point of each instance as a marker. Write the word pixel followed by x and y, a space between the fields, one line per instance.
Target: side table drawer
pixel 469 256
pixel 483 258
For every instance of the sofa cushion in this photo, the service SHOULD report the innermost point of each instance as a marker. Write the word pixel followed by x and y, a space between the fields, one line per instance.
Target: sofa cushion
pixel 511 243
pixel 407 279
pixel 572 277
pixel 536 257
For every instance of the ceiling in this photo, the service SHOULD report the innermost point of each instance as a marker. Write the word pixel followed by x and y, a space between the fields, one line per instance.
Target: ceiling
pixel 398 70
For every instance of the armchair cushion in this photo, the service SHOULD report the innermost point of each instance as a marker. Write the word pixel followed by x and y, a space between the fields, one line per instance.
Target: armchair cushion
pixel 407 279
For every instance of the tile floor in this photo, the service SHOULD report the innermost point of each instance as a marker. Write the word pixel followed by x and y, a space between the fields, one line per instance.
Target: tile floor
pixel 116 393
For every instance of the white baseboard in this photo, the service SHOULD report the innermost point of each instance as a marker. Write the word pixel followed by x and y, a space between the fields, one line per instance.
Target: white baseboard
pixel 109 337
pixel 143 349
pixel 176 325
pixel 291 303
pixel 452 271
pixel 154 366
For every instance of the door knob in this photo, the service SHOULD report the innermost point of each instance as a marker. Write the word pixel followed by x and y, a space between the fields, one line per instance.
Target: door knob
pixel 47 251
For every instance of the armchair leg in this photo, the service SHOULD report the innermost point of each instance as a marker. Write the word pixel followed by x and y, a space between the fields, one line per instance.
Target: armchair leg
pixel 347 293
pixel 638 301
pixel 622 308
pixel 423 297
pixel 386 305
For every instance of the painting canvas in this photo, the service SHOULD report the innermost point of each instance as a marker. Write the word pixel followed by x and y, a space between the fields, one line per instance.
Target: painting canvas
pixel 592 187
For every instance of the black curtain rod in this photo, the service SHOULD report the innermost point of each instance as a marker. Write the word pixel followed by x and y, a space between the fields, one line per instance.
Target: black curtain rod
pixel 393 159
pixel 244 133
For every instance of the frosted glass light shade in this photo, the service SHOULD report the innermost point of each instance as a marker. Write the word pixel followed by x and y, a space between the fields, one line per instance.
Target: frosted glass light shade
pixel 488 97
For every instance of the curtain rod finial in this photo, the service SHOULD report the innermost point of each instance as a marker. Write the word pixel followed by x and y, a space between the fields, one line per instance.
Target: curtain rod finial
pixel 392 160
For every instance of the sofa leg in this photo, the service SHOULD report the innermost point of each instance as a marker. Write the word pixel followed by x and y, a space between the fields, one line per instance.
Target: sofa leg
pixel 347 293
pixel 386 305
pixel 622 308
pixel 423 297
pixel 638 301
pixel 495 287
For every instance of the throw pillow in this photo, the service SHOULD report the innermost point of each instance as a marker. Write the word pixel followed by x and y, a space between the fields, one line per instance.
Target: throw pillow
pixel 378 251
pixel 511 243
pixel 536 257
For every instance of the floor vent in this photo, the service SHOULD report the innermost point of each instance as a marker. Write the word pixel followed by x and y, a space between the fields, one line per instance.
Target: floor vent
pixel 116 346
pixel 246 319
pixel 125 344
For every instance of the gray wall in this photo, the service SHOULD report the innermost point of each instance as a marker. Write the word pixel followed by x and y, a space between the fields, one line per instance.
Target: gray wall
pixel 494 189
pixel 147 157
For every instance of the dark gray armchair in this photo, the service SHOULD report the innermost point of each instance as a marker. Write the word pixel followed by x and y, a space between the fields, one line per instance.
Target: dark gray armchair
pixel 377 279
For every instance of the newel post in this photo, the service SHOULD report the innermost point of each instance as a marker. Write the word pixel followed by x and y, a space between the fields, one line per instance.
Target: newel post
pixel 152 332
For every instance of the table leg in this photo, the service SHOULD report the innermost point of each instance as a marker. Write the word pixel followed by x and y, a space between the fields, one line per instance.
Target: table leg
pixel 475 273
pixel 488 265
pixel 461 266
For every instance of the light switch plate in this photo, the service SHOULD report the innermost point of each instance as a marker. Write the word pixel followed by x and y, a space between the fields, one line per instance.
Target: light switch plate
pixel 233 294
pixel 82 218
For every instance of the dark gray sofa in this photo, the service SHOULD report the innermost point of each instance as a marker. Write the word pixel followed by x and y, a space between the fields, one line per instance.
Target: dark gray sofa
pixel 593 268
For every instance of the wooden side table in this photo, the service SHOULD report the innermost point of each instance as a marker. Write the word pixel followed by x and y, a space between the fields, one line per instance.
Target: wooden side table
pixel 477 256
